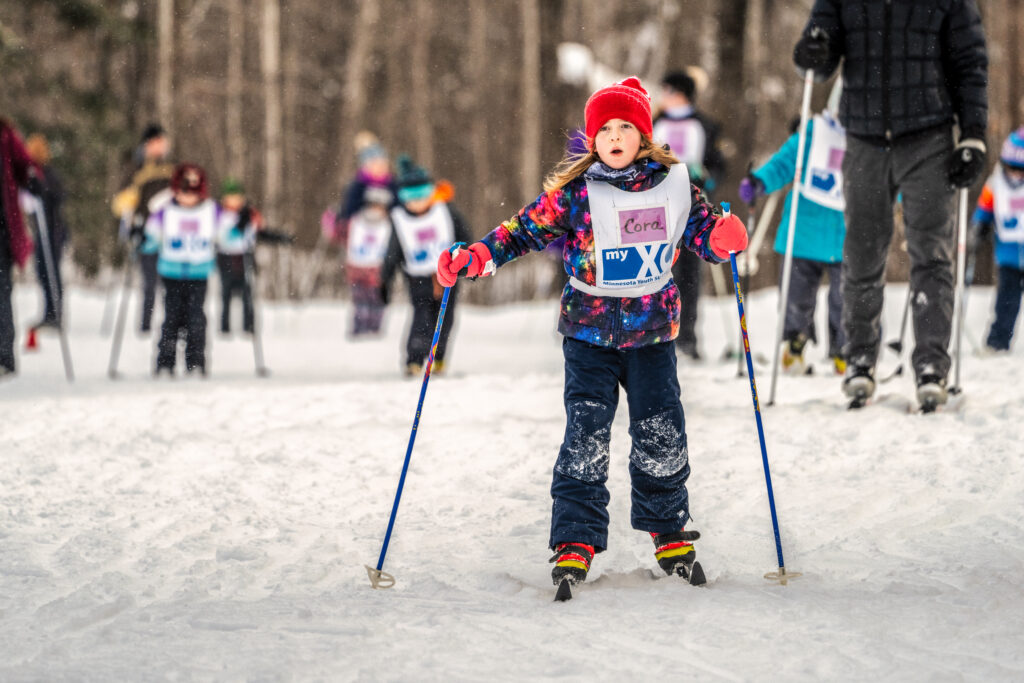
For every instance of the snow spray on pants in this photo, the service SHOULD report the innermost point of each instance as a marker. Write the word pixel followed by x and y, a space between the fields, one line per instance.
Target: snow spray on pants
pixel 658 464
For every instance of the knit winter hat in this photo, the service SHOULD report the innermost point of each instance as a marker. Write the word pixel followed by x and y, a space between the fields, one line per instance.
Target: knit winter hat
pixel 189 178
pixel 626 100
pixel 370 152
pixel 413 181
pixel 153 130
pixel 1012 154
pixel 231 186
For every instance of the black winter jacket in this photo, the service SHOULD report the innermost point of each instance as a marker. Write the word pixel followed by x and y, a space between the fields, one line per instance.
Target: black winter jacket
pixel 910 65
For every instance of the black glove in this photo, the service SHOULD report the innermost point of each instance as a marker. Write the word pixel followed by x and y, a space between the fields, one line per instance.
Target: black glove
pixel 35 186
pixel 967 163
pixel 812 51
pixel 244 216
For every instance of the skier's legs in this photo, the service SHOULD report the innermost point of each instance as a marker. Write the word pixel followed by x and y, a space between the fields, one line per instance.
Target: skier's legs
pixel 248 312
pixel 195 333
pixel 869 225
pixel 147 266
pixel 175 305
pixel 836 338
pixel 226 284
pixel 7 334
pixel 579 510
pixel 658 462
pixel 1008 293
pixel 929 207
pixel 424 317
pixel 804 279
pixel 686 272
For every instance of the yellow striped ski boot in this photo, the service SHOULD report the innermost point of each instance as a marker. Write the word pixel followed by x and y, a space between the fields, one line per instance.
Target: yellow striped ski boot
pixel 572 562
pixel 676 555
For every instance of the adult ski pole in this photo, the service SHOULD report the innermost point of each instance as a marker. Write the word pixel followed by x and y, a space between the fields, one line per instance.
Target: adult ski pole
pixel 897 345
pixel 787 267
pixel 782 576
pixel 958 300
pixel 378 578
pixel 35 208
pixel 122 310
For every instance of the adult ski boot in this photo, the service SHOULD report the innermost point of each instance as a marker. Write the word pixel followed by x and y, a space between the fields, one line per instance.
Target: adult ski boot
pixel 676 555
pixel 859 384
pixel 572 562
pixel 931 392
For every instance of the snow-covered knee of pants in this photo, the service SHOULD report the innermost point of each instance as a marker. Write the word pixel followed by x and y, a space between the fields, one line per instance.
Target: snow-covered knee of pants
pixel 658 463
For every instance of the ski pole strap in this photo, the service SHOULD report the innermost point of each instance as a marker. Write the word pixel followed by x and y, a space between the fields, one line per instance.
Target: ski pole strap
pixel 455 247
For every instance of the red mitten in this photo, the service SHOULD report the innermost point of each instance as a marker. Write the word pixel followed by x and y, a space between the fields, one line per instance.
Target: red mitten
pixel 476 260
pixel 728 235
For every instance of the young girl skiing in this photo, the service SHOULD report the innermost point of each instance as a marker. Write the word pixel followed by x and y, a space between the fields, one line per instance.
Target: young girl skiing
pixel 184 233
pixel 369 232
pixel 424 224
pixel 819 234
pixel 1002 203
pixel 623 207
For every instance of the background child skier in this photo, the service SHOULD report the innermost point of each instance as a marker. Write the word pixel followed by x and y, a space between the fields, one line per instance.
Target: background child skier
pixel 236 238
pixel 184 232
pixel 1002 204
pixel 693 138
pixel 424 226
pixel 819 233
pixel 369 233
pixel 623 207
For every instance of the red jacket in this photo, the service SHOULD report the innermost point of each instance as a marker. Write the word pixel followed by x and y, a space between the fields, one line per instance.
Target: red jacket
pixel 16 168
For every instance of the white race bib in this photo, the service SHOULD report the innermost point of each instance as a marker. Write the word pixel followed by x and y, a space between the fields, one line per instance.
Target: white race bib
pixel 635 234
pixel 823 180
pixel 1008 205
pixel 367 240
pixel 685 137
pixel 424 237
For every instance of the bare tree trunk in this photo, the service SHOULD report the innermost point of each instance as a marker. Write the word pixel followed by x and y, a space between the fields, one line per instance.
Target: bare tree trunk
pixel 353 113
pixel 271 69
pixel 422 83
pixel 479 76
pixel 530 85
pixel 753 70
pixel 233 110
pixel 165 64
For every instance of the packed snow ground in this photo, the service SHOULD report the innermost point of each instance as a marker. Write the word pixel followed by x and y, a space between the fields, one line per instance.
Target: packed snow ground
pixel 217 529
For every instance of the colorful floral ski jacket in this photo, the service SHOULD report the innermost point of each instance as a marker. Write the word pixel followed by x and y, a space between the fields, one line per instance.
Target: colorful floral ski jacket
pixel 618 322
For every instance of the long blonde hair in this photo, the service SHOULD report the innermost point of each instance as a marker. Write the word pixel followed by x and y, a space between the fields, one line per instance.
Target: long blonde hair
pixel 573 165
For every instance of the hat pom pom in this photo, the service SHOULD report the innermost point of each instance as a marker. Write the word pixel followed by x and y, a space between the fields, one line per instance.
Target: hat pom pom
pixel 634 83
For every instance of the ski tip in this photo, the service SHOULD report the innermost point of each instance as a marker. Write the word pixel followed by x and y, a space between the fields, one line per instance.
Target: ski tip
pixel 697 577
pixel 564 591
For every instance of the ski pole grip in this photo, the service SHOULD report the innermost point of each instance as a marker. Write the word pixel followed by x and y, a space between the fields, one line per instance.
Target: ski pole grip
pixel 726 209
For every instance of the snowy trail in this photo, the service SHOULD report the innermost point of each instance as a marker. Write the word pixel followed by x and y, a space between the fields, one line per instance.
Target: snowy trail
pixel 218 529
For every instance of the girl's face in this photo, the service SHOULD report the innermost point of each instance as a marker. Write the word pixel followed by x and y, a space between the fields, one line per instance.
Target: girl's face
pixel 617 143
pixel 187 198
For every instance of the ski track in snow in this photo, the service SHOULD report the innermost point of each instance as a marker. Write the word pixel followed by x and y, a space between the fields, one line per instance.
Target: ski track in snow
pixel 217 529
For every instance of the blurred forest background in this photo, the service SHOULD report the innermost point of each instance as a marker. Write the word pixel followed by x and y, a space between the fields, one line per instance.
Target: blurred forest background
pixel 273 92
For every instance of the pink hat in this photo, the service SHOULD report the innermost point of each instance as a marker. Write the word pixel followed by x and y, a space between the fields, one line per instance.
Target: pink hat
pixel 626 100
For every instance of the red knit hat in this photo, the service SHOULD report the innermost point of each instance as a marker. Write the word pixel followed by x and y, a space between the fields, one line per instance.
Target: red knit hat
pixel 626 100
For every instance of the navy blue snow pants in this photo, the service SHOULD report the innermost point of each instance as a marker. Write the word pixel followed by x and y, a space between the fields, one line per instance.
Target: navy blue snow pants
pixel 658 464
pixel 1008 293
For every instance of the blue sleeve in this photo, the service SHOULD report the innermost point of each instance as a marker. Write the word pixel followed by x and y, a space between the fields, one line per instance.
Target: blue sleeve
pixel 778 171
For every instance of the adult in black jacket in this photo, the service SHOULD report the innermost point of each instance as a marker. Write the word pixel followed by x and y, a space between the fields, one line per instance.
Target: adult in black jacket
pixel 912 69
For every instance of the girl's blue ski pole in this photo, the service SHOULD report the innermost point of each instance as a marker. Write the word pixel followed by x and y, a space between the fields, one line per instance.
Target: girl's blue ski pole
pixel 781 575
pixel 378 578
